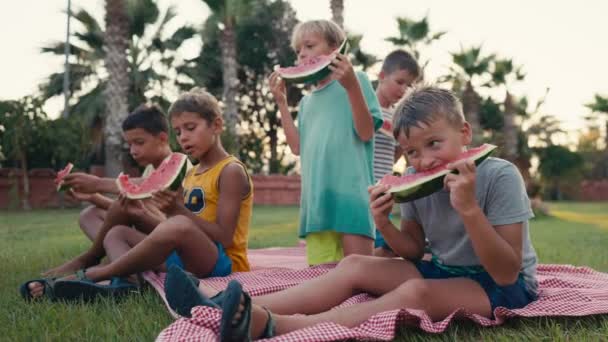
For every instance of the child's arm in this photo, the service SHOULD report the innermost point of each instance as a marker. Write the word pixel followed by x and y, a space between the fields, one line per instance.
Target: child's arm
pixel 96 199
pixel 87 183
pixel 342 70
pixel 233 187
pixel 499 248
pixel 408 242
pixel 277 87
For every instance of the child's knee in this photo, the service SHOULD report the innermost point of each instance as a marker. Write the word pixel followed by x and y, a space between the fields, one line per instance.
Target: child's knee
pixel 116 233
pixel 354 262
pixel 414 291
pixel 177 226
pixel 87 214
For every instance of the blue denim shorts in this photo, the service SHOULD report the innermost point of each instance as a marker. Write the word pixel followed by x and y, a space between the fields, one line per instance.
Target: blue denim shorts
pixel 222 268
pixel 514 296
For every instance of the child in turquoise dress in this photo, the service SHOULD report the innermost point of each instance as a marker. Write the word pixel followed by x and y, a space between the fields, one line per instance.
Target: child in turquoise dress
pixel 334 138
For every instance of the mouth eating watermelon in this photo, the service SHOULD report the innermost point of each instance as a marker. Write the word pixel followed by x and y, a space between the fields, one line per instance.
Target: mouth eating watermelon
pixel 61 175
pixel 312 69
pixel 168 175
pixel 420 184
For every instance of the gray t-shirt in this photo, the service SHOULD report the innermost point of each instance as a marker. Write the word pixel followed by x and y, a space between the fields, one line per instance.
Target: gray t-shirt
pixel 500 193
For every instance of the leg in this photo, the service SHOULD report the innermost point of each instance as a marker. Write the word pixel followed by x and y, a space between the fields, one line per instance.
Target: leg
pixel 384 253
pixel 195 248
pixel 354 274
pixel 115 216
pixel 90 220
pixel 120 240
pixel 438 298
pixel 357 244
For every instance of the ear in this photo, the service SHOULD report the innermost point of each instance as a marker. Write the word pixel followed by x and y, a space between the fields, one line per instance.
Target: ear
pixel 163 136
pixel 467 134
pixel 217 125
pixel 381 76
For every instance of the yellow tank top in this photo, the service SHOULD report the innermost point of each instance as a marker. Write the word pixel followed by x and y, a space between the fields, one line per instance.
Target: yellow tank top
pixel 201 195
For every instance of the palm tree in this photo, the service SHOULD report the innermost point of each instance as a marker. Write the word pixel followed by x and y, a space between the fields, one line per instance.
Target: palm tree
pixel 337 12
pixel 413 35
pixel 227 13
pixel 600 106
pixel 153 60
pixel 504 73
pixel 116 42
pixel 470 65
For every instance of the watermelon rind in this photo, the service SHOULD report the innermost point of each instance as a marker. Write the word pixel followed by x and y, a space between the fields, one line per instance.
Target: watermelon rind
pixel 428 185
pixel 173 182
pixel 61 186
pixel 318 73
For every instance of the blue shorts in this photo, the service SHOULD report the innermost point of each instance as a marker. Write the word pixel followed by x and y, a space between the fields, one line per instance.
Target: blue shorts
pixel 222 268
pixel 513 296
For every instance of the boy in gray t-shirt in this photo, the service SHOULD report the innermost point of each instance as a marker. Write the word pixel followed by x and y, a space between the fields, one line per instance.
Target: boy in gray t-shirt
pixel 477 228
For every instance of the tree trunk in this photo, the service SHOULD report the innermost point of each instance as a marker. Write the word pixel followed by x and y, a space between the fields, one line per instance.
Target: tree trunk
pixel 116 42
pixel 510 130
pixel 231 81
pixel 25 201
pixel 471 103
pixel 337 12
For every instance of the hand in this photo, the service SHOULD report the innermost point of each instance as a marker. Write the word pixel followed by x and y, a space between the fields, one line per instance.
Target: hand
pixel 82 182
pixel 167 201
pixel 277 88
pixel 462 186
pixel 343 72
pixel 381 203
pixel 79 196
pixel 141 208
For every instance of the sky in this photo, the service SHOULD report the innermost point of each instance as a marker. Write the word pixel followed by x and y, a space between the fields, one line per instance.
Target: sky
pixel 560 44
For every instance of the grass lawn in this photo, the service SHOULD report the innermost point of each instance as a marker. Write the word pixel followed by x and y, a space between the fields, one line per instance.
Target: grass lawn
pixel 32 242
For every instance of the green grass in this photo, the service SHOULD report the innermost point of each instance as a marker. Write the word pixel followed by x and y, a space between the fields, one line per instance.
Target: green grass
pixel 32 242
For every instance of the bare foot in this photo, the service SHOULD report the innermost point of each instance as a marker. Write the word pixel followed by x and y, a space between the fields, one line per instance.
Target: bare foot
pixel 80 262
pixel 206 290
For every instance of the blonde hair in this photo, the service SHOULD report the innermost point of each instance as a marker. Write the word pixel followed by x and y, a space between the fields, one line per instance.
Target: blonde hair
pixel 330 31
pixel 196 101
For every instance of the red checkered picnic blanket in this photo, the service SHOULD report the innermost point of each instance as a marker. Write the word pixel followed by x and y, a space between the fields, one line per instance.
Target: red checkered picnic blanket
pixel 565 290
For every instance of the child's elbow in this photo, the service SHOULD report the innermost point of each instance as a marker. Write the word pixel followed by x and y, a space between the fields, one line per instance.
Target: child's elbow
pixel 506 278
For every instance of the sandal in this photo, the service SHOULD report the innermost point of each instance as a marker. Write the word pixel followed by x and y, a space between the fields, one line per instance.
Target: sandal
pixel 241 331
pixel 182 294
pixel 47 290
pixel 87 290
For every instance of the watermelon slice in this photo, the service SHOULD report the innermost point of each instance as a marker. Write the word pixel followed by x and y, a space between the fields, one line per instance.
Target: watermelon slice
pixel 168 175
pixel 387 128
pixel 417 185
pixel 61 175
pixel 311 70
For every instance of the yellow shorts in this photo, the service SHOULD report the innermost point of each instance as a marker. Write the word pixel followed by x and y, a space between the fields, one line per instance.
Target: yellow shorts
pixel 323 247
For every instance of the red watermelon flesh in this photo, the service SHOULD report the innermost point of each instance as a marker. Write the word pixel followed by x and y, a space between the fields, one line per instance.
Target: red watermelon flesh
pixel 387 128
pixel 61 175
pixel 169 174
pixel 420 184
pixel 312 69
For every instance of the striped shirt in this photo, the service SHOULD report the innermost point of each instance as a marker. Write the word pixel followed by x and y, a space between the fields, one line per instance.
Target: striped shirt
pixel 384 148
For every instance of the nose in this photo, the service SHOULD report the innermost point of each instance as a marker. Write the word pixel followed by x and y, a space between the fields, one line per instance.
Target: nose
pixel 428 163
pixel 302 56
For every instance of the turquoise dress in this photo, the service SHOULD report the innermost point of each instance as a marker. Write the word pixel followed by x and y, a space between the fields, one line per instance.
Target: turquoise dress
pixel 336 165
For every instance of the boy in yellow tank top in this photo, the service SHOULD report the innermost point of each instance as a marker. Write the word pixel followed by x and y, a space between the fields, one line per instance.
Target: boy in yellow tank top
pixel 203 229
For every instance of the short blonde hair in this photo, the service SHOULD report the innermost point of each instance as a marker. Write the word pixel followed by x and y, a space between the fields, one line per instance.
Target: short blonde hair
pixel 196 101
pixel 330 31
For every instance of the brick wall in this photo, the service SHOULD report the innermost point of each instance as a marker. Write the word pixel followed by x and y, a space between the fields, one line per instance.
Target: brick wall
pixel 593 190
pixel 268 190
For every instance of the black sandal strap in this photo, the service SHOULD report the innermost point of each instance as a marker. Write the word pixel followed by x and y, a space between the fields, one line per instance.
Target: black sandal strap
pixel 270 329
